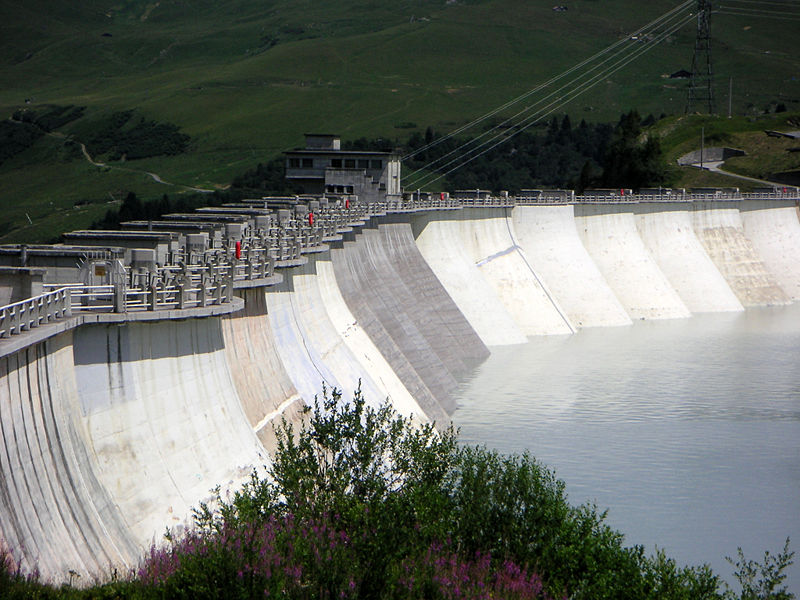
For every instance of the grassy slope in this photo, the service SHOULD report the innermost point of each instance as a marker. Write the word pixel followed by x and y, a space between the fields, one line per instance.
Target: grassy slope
pixel 764 154
pixel 355 68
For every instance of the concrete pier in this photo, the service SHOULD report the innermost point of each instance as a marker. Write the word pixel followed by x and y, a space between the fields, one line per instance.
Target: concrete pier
pixel 722 234
pixel 613 242
pixel 667 232
pixel 550 239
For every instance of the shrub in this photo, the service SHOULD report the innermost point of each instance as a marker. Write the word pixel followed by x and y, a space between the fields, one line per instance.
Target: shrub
pixel 762 581
pixel 403 493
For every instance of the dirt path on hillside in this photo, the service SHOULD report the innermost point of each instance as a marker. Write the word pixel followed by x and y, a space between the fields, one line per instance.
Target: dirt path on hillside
pixel 154 176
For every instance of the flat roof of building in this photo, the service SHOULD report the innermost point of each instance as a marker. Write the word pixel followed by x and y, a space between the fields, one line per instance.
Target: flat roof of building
pixel 58 250
pixel 208 217
pixel 166 225
pixel 342 152
pixel 226 210
pixel 115 234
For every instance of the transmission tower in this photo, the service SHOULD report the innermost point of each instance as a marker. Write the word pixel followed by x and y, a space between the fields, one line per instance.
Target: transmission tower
pixel 701 91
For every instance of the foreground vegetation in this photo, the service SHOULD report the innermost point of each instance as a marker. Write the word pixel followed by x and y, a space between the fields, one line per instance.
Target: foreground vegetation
pixel 362 503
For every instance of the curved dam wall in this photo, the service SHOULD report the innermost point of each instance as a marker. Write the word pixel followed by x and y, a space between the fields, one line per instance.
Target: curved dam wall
pixel 112 432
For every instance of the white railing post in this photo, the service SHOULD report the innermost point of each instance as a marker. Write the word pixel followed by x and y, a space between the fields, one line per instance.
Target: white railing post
pixel 152 298
pixel 201 294
pixel 120 298
pixel 181 295
pixel 15 320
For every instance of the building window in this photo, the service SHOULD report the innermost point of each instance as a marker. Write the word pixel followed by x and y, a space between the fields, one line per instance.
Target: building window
pixel 308 163
pixel 294 163
pixel 349 189
pixel 376 164
pixel 336 163
pixel 363 163
pixel 340 189
pixel 350 163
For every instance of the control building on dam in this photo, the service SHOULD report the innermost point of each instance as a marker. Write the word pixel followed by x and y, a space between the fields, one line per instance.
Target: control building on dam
pixel 140 368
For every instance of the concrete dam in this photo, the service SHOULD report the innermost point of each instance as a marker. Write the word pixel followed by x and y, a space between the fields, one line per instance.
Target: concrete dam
pixel 115 425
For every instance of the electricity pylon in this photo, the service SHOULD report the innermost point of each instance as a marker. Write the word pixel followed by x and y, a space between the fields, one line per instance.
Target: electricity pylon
pixel 701 90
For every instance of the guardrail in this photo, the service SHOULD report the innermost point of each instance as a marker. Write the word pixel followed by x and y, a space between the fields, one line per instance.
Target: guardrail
pixel 157 296
pixel 627 198
pixel 33 312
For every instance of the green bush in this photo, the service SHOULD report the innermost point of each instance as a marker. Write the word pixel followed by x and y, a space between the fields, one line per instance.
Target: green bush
pixel 399 490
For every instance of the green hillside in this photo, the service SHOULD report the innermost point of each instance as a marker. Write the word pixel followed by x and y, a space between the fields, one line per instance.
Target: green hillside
pixel 245 79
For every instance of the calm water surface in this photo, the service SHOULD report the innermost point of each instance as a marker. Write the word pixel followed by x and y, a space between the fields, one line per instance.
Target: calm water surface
pixel 688 431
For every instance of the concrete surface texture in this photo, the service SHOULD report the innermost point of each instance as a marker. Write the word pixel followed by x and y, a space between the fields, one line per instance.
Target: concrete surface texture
pixel 775 234
pixel 488 239
pixel 421 281
pixel 440 243
pixel 265 390
pixel 55 514
pixel 550 239
pixel 373 281
pixel 721 232
pixel 667 232
pixel 612 240
pixel 364 350
pixel 322 339
pixel 162 417
pixel 350 287
pixel 112 432
pixel 401 300
pixel 302 362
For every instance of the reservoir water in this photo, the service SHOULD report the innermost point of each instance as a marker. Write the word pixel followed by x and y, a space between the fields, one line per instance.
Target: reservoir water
pixel 687 431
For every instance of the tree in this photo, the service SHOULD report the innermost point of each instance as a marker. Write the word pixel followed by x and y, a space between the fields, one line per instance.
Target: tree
pixel 131 209
pixel 631 161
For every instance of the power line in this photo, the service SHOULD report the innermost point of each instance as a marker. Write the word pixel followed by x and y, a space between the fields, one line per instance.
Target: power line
pixel 753 12
pixel 553 106
pixel 637 33
pixel 635 48
pixel 536 117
